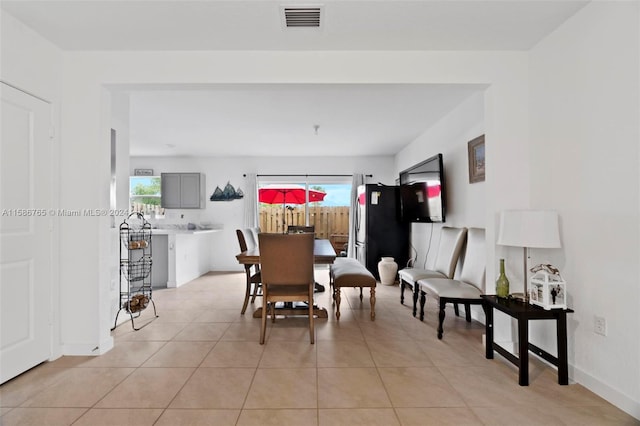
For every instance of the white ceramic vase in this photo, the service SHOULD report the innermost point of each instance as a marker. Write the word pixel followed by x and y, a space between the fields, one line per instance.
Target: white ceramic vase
pixel 387 269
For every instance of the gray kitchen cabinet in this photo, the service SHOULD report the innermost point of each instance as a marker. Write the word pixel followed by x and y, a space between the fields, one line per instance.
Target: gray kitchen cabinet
pixel 183 190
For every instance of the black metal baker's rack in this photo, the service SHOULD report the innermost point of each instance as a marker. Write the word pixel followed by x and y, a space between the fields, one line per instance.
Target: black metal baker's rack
pixel 136 292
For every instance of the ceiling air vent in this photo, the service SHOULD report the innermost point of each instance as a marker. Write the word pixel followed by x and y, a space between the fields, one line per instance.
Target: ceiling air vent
pixel 302 17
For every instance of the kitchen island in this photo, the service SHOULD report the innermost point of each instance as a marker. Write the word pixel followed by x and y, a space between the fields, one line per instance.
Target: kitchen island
pixel 181 255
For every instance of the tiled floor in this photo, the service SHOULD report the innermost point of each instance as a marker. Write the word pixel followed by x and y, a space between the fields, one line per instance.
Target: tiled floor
pixel 200 363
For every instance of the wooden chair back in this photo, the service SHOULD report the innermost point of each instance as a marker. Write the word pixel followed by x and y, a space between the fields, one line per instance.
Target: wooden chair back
pixel 286 258
pixel 252 279
pixel 286 264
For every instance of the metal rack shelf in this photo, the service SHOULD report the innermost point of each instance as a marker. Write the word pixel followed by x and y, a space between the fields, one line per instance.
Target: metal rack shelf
pixel 136 292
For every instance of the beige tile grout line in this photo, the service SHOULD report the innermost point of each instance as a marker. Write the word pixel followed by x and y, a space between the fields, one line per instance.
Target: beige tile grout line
pixel 395 413
pixel 185 382
pixel 123 379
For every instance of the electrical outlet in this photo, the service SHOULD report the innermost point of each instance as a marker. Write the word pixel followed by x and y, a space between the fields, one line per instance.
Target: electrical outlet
pixel 600 326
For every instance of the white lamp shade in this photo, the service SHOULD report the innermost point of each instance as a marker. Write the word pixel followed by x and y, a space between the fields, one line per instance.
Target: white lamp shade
pixel 529 228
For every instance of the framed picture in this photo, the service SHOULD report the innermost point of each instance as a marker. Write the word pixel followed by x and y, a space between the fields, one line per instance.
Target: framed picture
pixel 143 172
pixel 476 159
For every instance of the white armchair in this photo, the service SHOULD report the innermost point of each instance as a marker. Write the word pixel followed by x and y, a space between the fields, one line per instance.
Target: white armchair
pixel 467 289
pixel 449 249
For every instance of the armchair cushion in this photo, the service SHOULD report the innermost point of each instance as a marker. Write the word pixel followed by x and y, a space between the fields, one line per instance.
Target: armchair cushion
pixel 412 275
pixel 444 287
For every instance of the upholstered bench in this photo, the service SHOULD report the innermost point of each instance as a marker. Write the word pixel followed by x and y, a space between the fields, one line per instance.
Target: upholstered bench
pixel 348 272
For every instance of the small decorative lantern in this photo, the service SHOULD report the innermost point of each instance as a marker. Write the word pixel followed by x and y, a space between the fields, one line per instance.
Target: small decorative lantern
pixel 548 290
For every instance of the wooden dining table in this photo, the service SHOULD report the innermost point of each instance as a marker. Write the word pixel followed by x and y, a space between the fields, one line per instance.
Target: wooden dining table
pixel 323 254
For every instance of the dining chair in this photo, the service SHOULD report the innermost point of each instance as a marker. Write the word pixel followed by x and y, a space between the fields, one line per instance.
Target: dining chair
pixel 251 235
pixel 252 272
pixel 449 250
pixel 286 265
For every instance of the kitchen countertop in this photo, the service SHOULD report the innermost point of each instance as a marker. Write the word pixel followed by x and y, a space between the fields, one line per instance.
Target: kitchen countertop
pixel 161 231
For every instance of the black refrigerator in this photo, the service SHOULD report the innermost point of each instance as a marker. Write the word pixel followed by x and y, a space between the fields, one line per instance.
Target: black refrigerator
pixel 379 230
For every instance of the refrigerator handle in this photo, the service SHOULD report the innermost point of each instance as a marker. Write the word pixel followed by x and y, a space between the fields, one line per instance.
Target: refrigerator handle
pixel 357 214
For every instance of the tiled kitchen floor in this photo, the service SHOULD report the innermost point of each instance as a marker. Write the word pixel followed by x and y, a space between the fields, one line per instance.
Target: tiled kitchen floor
pixel 200 363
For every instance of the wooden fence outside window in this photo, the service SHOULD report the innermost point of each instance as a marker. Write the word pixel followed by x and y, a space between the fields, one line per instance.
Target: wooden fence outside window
pixel 331 223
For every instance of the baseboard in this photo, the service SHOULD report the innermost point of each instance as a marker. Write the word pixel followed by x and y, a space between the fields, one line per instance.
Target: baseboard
pixel 87 349
pixel 614 396
pixel 476 314
pixel 56 352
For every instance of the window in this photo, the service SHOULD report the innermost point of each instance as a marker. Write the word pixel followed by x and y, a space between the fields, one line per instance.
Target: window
pixel 285 203
pixel 144 194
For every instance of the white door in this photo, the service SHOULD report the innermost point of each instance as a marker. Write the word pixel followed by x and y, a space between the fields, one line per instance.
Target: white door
pixel 25 236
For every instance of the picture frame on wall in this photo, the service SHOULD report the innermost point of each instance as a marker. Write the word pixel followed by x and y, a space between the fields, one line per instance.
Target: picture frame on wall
pixel 476 159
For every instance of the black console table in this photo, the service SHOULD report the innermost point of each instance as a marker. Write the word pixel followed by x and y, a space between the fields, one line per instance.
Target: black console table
pixel 524 312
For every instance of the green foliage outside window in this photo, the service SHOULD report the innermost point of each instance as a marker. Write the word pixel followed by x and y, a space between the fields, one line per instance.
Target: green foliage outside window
pixel 149 187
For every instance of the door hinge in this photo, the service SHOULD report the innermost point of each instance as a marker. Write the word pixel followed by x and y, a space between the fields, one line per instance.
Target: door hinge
pixel 52 132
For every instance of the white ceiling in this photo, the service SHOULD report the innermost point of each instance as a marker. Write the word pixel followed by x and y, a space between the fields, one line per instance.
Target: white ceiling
pixel 280 119
pixel 257 25
pixel 270 120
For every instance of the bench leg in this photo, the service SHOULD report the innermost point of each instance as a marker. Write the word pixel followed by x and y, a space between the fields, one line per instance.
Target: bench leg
pixel 423 300
pixel 373 303
pixel 402 292
pixel 331 278
pixel 456 310
pixel 415 298
pixel 360 294
pixel 441 318
pixel 336 293
pixel 467 309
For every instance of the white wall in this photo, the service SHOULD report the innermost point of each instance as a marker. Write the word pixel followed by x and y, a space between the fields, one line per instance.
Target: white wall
pixel 465 203
pixel 584 163
pixel 29 62
pixel 230 214
pixel 119 121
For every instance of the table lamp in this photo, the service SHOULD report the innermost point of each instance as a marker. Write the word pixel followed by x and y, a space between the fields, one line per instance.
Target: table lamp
pixel 529 229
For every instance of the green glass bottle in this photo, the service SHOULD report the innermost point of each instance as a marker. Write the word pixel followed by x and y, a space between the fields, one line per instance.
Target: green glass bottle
pixel 502 283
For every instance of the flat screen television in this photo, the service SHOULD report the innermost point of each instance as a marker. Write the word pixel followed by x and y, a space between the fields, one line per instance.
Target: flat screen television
pixel 422 195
